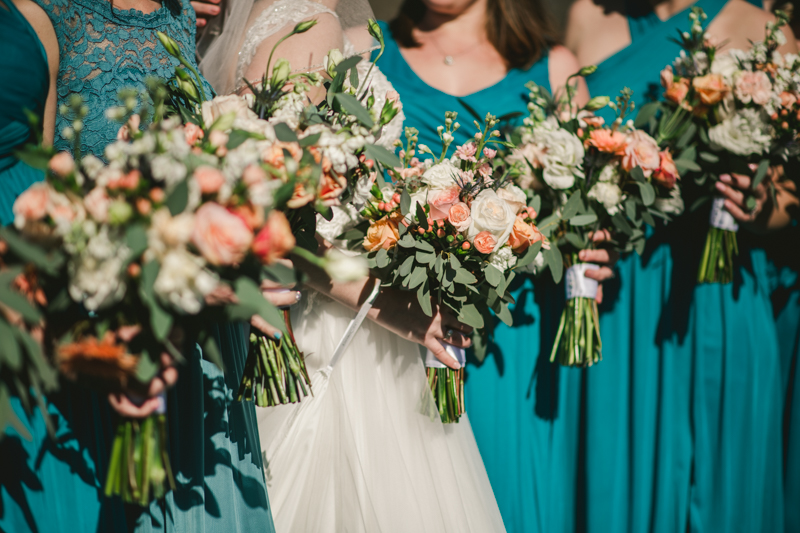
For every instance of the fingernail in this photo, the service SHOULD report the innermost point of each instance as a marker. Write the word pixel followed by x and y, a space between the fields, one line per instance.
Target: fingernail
pixel 278 335
pixel 720 186
pixel 725 178
pixel 582 254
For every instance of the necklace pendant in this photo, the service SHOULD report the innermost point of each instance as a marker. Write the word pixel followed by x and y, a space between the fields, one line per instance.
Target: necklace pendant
pixel 448 60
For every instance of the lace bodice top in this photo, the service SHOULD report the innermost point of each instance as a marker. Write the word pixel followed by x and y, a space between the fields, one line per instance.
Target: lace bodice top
pixel 104 49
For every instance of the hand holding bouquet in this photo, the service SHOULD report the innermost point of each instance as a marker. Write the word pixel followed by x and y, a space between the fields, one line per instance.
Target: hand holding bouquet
pixel 451 229
pixel 592 178
pixel 728 112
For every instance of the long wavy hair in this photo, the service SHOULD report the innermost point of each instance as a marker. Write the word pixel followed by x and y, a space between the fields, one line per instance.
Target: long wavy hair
pixel 520 30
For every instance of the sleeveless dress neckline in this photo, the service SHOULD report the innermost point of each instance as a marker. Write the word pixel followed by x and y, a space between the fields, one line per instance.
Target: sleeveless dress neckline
pixel 131 16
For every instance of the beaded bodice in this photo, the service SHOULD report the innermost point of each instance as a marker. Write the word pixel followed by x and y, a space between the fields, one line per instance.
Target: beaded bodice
pixel 104 49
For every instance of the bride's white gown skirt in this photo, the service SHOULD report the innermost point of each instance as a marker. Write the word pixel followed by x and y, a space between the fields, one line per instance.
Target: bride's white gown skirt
pixel 368 452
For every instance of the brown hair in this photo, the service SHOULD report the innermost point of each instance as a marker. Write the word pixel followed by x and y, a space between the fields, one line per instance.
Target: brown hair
pixel 520 30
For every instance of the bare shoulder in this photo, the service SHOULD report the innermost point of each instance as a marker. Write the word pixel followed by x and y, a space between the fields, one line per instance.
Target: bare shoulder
pixel 42 25
pixel 562 63
pixel 741 22
pixel 582 15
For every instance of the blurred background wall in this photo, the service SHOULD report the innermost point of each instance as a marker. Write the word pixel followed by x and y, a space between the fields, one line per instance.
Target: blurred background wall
pixel 386 9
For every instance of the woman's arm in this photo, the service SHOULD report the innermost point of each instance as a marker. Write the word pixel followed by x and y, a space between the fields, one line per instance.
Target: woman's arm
pixel 41 24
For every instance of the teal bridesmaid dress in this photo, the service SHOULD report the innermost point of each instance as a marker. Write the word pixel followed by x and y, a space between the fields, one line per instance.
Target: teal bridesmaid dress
pixel 522 408
pixel 683 413
pixel 57 484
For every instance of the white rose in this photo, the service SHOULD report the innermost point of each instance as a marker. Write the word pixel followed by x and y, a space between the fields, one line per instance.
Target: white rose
pixel 745 133
pixel 223 105
pixel 491 213
pixel 672 205
pixel 343 267
pixel 608 194
pixel 503 259
pixel 514 196
pixel 183 282
pixel 441 175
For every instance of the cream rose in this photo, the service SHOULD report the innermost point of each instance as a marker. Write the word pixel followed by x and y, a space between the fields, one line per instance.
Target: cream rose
pixel 222 237
pixel 514 196
pixel 492 214
pixel 381 234
pixel 224 105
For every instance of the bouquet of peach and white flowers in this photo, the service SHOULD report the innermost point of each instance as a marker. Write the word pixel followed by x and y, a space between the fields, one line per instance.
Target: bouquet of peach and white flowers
pixel 590 177
pixel 452 229
pixel 731 111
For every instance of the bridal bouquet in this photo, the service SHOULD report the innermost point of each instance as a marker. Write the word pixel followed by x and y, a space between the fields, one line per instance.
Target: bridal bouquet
pixel 728 112
pixel 592 178
pixel 318 153
pixel 451 229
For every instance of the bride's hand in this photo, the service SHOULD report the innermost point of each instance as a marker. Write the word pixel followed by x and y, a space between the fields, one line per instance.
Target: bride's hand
pixel 399 312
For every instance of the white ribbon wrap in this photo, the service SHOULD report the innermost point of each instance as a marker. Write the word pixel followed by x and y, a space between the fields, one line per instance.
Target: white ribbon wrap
pixel 161 408
pixel 577 284
pixel 458 354
pixel 721 217
pixel 352 328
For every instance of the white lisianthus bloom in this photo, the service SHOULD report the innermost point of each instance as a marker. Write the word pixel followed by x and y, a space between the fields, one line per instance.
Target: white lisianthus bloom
pixel 441 175
pixel 491 213
pixel 343 267
pixel 608 194
pixel 95 273
pixel 167 233
pixel 503 259
pixel 183 282
pixel 672 205
pixel 745 133
pixel 562 157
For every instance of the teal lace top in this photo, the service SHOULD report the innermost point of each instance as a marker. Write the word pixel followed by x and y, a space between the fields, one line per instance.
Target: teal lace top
pixel 104 50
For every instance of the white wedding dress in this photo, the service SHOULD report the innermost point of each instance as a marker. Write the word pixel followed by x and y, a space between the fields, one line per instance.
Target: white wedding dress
pixel 368 452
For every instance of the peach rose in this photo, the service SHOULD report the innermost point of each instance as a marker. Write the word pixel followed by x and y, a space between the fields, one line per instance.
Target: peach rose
pixel 753 86
pixel 642 151
pixel 253 175
pixel 209 179
pixel 485 242
pixel 221 237
pixel 381 234
pixel 300 197
pixel 32 204
pixel 788 99
pixel 275 240
pixel 711 88
pixel 129 181
pixel 441 201
pixel 252 215
pixel 273 155
pixel 330 188
pixel 62 164
pixel 667 173
pixel 606 140
pixel 97 203
pixel 522 235
pixel 192 133
pixel 677 91
pixel 459 216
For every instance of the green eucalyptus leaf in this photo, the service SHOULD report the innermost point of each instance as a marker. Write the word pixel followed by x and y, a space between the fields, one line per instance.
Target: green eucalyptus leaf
pixel 419 275
pixel 554 261
pixel 249 294
pixel 583 220
pixel 285 134
pixel 350 104
pixel 530 254
pixel 178 199
pixel 424 298
pixel 422 218
pixel 10 353
pixel 405 202
pixel 646 112
pixel 470 316
pixel 648 193
pixel 493 275
pixel 572 206
pixel 384 157
pixel 28 252
pixel 761 172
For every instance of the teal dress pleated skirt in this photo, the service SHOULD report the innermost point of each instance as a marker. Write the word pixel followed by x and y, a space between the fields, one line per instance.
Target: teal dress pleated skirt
pixel 57 484
pixel 524 411
pixel 683 413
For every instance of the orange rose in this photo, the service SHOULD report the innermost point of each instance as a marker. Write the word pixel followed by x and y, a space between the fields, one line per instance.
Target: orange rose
pixel 129 181
pixel 381 234
pixel 788 99
pixel 209 179
pixel 606 140
pixel 521 236
pixel 273 155
pixel 459 216
pixel 677 91
pixel 711 88
pixel 252 215
pixel 330 188
pixel 485 242
pixel 667 173
pixel 300 197
pixel 275 239
pixel 221 237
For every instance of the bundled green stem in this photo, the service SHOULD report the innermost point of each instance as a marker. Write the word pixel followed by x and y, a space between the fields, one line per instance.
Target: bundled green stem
pixel 447 386
pixel 578 340
pixel 140 469
pixel 275 372
pixel 717 263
